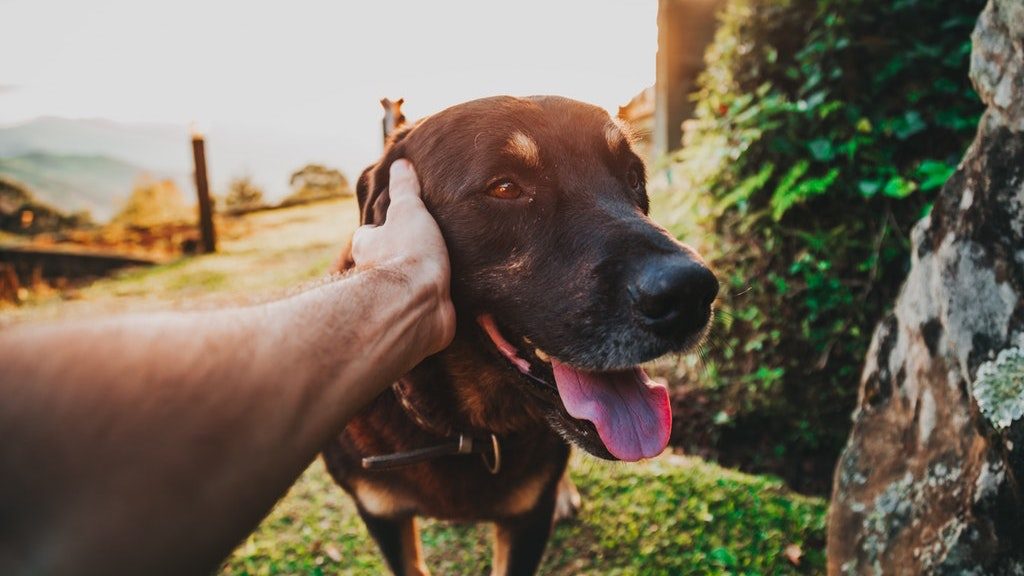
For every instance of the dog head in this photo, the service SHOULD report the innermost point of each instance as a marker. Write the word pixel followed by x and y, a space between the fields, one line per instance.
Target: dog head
pixel 557 270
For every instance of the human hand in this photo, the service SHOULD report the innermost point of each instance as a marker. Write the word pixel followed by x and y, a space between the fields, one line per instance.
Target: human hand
pixel 410 244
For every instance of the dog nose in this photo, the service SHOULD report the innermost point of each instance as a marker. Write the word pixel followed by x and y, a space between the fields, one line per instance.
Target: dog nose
pixel 673 294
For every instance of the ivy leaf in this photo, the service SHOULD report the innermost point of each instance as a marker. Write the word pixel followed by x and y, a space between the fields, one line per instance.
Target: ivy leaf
pixel 933 174
pixel 816 99
pixel 822 150
pixel 791 191
pixel 781 198
pixel 723 557
pixel 909 124
pixel 868 188
pixel 746 189
pixel 899 187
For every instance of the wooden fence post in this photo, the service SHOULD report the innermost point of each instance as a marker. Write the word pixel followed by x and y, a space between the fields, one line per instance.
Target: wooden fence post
pixel 208 235
pixel 9 284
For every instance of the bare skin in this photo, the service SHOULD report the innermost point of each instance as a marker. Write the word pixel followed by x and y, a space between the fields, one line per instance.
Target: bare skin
pixel 154 444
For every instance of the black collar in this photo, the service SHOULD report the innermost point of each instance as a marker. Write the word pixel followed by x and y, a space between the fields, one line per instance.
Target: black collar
pixel 490 453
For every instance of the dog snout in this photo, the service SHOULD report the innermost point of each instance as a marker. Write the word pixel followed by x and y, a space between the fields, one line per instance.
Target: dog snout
pixel 672 295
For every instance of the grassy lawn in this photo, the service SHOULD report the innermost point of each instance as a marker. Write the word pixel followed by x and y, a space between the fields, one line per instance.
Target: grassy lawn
pixel 672 515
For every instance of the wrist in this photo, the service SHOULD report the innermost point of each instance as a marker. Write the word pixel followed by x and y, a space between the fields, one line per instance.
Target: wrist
pixel 426 290
pixel 425 280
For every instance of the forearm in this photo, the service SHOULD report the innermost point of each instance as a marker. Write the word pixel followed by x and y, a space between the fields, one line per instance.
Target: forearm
pixel 186 426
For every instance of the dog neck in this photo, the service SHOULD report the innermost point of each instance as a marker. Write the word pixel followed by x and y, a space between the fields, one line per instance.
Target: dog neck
pixel 438 426
pixel 464 389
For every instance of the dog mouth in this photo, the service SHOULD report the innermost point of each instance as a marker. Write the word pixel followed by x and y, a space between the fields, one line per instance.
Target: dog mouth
pixel 631 412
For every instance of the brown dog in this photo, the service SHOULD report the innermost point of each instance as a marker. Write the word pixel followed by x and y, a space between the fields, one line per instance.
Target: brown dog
pixel 562 285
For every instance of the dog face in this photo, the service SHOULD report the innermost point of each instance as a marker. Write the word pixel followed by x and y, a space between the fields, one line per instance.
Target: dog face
pixel 543 207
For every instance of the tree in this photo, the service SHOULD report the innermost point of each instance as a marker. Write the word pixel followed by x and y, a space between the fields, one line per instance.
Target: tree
pixel 317 182
pixel 243 194
pixel 154 202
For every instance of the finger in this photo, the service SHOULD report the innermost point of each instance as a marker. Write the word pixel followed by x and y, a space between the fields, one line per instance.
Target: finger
pixel 403 181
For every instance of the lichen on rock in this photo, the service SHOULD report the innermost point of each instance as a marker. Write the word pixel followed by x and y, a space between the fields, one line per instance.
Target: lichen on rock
pixel 999 388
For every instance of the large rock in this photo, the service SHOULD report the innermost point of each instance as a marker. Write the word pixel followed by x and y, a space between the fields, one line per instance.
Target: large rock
pixel 929 482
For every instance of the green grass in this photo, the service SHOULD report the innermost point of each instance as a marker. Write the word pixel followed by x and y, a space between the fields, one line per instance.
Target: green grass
pixel 672 515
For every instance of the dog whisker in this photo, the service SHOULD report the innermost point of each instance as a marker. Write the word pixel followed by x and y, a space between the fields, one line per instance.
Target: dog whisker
pixel 726 294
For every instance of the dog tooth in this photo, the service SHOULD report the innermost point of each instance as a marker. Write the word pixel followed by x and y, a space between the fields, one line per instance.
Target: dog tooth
pixel 542 355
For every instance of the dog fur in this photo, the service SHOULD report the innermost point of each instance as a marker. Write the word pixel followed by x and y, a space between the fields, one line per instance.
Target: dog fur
pixel 543 208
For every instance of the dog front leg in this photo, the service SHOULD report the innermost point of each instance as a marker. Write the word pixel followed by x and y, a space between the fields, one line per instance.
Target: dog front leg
pixel 399 542
pixel 568 501
pixel 519 542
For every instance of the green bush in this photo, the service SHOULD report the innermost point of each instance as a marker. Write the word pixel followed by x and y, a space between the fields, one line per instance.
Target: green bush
pixel 823 131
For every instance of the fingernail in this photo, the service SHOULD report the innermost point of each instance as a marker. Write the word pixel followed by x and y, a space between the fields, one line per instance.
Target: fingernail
pixel 400 165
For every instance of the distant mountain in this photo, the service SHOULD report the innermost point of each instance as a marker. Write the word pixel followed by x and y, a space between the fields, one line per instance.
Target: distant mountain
pixel 70 183
pixel 267 156
pixel 158 147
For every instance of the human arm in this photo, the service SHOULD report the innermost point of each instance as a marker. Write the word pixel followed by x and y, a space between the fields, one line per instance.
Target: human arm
pixel 155 443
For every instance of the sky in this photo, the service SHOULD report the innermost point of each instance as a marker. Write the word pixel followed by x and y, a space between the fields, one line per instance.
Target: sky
pixel 313 69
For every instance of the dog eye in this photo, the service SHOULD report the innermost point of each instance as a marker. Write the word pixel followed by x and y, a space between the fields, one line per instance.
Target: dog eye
pixel 635 178
pixel 505 190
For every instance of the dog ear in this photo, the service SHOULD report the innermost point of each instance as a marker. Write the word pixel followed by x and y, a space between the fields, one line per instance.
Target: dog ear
pixel 372 187
pixel 372 193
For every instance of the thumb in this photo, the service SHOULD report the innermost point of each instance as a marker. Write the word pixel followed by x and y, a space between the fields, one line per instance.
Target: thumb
pixel 403 182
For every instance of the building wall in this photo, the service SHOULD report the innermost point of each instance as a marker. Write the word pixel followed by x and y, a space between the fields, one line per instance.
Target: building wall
pixel 685 28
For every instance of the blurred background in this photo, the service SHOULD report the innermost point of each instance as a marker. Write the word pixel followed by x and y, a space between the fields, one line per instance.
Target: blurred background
pixel 795 143
pixel 280 85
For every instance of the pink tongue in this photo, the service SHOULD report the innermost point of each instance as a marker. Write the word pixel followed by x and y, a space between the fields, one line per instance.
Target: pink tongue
pixel 630 411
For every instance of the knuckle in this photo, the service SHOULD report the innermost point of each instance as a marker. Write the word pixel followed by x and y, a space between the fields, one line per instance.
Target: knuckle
pixel 360 238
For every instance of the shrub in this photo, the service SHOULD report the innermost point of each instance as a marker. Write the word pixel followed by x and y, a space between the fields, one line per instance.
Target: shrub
pixel 243 195
pixel 153 203
pixel 823 131
pixel 317 182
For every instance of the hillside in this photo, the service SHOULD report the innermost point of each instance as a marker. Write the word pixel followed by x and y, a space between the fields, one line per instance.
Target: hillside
pixel 157 147
pixel 267 156
pixel 71 183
